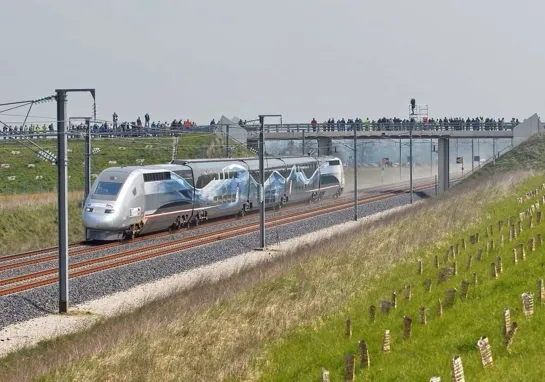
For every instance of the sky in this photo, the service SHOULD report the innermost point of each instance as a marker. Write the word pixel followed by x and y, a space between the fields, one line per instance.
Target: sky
pixel 299 58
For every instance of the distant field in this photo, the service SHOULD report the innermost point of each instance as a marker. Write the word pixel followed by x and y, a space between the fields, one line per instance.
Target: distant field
pixel 33 175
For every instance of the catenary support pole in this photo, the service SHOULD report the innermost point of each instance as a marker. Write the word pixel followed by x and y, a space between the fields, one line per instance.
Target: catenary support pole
pixel 227 141
pixel 355 177
pixel 494 150
pixel 431 157
pixel 411 160
pixel 303 148
pixel 261 185
pixel 472 154
pixel 400 162
pixel 62 189
pixel 87 172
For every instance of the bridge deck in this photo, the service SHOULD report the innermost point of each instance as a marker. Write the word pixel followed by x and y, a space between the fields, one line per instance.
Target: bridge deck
pixel 417 134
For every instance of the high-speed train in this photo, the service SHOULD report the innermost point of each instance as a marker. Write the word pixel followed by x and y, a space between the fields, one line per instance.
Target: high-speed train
pixel 128 201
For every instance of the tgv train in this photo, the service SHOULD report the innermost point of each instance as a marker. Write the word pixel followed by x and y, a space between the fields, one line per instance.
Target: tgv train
pixel 128 201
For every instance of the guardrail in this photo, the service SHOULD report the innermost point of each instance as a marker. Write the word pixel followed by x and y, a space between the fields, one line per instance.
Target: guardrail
pixel 269 128
pixel 383 126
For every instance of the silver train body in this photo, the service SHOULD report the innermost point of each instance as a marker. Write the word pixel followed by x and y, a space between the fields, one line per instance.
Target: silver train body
pixel 128 201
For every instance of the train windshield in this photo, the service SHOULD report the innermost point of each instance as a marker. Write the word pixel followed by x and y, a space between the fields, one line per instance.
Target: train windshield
pixel 108 188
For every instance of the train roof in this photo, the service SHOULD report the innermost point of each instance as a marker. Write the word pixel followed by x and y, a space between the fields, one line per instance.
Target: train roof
pixel 247 159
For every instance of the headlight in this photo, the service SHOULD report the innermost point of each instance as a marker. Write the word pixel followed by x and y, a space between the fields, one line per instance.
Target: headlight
pixel 88 209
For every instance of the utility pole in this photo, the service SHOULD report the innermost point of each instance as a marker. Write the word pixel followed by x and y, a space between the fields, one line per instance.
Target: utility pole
pixel 355 177
pixel 431 157
pixel 473 154
pixel 400 162
pixel 62 192
pixel 261 185
pixel 411 159
pixel 87 172
pixel 261 188
pixel 494 150
pixel 227 141
pixel 62 200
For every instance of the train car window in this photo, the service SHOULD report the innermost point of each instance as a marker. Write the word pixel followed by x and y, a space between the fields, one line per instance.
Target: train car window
pixel 108 188
pixel 156 176
pixel 334 163
pixel 205 179
pixel 186 174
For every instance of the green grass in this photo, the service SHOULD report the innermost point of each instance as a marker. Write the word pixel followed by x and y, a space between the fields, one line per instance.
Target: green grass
pixel 301 355
pixel 528 155
pixel 152 150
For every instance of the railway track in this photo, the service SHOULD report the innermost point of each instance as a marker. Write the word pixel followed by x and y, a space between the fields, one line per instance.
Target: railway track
pixel 81 248
pixel 49 276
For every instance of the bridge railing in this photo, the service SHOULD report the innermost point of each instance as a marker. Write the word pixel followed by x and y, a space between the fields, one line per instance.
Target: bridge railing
pixel 384 126
pixel 269 128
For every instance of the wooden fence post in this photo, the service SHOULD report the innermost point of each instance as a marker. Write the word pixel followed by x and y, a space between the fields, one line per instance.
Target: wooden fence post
pixel 499 265
pixel 407 327
pixel 325 376
pixel 528 304
pixel 423 315
pixel 348 328
pixel 457 369
pixel 428 285
pixel 365 362
pixel 493 271
pixel 485 352
pixel 372 313
pixel 464 289
pixel 349 367
pixel 386 342
pixel 469 262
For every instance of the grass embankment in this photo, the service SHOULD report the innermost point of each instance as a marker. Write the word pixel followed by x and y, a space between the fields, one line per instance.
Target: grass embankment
pixel 528 156
pixel 122 151
pixel 430 348
pixel 216 332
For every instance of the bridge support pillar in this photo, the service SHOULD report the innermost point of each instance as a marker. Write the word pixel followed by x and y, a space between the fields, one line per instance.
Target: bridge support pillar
pixel 325 146
pixel 443 164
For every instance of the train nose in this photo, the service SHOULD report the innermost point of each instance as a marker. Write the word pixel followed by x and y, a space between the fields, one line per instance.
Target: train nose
pixel 98 219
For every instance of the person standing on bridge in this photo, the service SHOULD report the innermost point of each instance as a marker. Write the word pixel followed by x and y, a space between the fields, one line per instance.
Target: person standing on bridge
pixel 313 123
pixel 146 119
pixel 114 119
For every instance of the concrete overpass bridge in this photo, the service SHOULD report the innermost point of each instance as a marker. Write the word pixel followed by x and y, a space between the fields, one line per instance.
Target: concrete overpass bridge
pixel 517 134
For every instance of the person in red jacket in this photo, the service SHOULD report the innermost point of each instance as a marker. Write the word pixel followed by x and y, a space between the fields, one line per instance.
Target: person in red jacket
pixel 313 123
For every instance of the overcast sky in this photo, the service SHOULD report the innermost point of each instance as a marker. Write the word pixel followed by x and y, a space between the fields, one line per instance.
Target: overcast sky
pixel 301 58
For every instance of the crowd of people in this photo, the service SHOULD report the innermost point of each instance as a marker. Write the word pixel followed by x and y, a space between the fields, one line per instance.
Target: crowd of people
pixel 381 124
pixel 393 124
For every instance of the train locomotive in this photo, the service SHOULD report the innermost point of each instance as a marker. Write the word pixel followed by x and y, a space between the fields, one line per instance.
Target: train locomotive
pixel 126 202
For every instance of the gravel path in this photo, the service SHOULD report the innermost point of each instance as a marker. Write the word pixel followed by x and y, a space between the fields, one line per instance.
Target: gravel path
pixel 34 303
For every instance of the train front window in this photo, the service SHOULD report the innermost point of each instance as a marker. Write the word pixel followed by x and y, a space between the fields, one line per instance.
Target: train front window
pixel 108 188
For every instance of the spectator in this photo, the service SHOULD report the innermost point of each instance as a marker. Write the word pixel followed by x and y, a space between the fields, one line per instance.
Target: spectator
pixel 146 119
pixel 313 123
pixel 138 122
pixel 114 119
pixel 213 122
